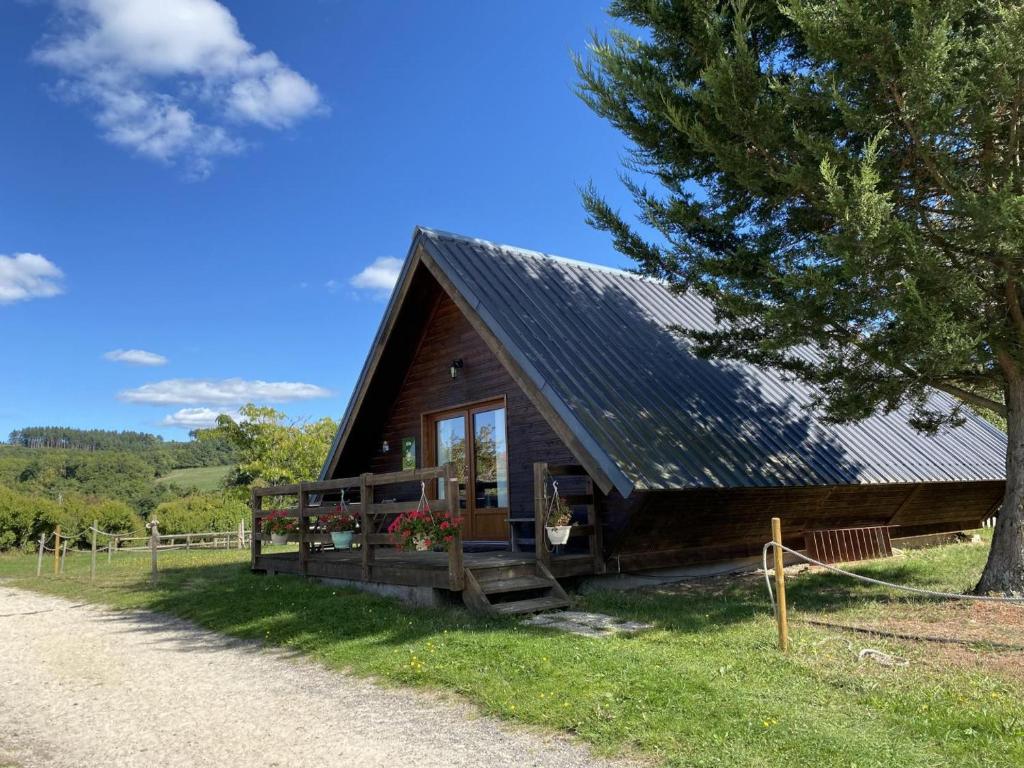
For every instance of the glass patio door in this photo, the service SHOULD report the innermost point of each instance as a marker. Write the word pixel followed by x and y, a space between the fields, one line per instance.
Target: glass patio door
pixel 475 439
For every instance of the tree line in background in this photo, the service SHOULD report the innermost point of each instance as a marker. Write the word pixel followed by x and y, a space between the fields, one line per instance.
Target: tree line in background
pixel 53 476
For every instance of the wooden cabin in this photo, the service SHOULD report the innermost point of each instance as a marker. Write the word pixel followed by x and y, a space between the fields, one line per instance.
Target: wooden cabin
pixel 520 370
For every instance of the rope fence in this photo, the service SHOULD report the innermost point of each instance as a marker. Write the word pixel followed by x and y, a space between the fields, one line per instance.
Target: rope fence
pixel 777 596
pixel 154 542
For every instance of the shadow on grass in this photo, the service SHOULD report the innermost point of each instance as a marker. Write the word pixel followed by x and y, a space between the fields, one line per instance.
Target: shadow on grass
pixel 715 604
pixel 289 611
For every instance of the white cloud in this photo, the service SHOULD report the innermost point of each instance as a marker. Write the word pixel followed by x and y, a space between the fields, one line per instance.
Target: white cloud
pixel 196 418
pixel 221 392
pixel 28 276
pixel 135 357
pixel 149 69
pixel 379 277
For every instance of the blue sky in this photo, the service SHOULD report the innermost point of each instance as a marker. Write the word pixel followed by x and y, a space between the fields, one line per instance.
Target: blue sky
pixel 205 187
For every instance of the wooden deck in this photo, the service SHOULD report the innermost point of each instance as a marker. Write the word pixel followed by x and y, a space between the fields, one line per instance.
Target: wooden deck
pixel 415 569
pixel 500 582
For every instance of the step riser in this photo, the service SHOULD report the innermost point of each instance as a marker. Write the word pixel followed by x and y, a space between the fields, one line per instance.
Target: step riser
pixel 502 572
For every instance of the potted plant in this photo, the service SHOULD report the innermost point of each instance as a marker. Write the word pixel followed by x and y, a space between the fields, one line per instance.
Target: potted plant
pixel 341 526
pixel 279 526
pixel 422 530
pixel 559 522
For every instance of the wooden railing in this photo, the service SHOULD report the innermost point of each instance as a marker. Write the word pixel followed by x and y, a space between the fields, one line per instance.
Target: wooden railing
pixel 373 516
pixel 542 473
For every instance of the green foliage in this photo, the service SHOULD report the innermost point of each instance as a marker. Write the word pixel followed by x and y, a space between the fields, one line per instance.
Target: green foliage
pixel 201 512
pixel 847 176
pixel 24 516
pixel 271 451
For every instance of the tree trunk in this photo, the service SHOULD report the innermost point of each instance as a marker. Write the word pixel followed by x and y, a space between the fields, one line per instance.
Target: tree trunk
pixel 1004 571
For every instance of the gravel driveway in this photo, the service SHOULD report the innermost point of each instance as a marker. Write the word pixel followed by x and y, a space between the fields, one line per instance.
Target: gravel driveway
pixel 86 686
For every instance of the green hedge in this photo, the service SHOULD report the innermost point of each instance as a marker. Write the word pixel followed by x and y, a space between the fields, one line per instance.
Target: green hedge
pixel 201 512
pixel 23 517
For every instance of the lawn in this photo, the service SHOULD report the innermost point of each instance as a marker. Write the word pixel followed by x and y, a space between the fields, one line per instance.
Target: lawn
pixel 203 478
pixel 705 687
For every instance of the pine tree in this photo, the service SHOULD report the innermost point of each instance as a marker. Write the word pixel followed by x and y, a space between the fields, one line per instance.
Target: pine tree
pixel 848 175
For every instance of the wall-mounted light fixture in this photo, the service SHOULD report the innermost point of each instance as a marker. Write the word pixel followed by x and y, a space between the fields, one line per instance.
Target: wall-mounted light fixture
pixel 384 448
pixel 456 366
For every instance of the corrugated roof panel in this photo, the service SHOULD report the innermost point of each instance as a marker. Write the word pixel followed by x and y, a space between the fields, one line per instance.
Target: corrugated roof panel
pixel 601 341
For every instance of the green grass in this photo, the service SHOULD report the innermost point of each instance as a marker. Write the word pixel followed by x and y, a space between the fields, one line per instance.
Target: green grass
pixel 203 478
pixel 706 687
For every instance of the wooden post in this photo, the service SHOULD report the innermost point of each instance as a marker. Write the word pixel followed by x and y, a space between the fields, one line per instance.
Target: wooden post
pixel 456 566
pixel 596 538
pixel 365 503
pixel 111 546
pixel 540 472
pixel 154 543
pixel 780 586
pixel 39 559
pixel 303 538
pixel 92 575
pixel 256 502
pixel 56 550
pixel 63 555
pixel 188 541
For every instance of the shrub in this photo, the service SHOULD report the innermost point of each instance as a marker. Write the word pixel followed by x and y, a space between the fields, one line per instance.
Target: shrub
pixel 18 512
pixel 201 512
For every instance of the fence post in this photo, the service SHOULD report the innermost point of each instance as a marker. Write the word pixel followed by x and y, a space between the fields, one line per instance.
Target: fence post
pixel 39 559
pixel 111 546
pixel 780 586
pixel 365 503
pixel 154 543
pixel 56 550
pixel 63 556
pixel 540 545
pixel 456 565
pixel 92 575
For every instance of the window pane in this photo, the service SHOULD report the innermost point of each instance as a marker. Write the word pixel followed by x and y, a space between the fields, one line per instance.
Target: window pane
pixel 451 446
pixel 491 460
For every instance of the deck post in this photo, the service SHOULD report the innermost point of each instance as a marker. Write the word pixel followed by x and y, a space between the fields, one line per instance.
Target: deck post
pixel 256 502
pixel 540 493
pixel 303 543
pixel 365 504
pixel 596 538
pixel 780 586
pixel 456 567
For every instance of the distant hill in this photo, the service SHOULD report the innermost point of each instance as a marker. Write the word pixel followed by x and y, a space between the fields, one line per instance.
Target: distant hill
pixel 202 478
pixel 165 455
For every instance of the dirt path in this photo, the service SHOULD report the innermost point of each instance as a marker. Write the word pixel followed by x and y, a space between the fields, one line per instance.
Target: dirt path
pixel 86 686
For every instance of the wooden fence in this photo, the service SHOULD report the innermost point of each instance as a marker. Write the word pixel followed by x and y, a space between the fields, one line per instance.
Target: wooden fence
pixel 359 494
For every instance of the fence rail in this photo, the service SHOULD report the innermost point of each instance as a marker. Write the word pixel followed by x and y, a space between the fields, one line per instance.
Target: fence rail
pixel 372 515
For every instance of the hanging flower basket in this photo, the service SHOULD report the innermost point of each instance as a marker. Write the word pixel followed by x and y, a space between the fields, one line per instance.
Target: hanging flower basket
pixel 340 524
pixel 279 526
pixel 422 530
pixel 558 523
pixel 558 534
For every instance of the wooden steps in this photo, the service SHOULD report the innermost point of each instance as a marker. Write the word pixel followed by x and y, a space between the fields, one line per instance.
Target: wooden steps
pixel 511 589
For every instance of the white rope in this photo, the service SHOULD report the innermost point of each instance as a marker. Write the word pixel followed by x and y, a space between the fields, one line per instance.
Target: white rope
pixel 869 580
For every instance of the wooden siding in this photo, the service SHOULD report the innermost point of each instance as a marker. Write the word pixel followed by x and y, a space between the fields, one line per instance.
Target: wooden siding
pixel 439 335
pixel 677 527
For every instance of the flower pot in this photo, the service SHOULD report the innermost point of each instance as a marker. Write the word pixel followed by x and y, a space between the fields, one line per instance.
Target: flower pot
pixel 342 539
pixel 279 538
pixel 558 534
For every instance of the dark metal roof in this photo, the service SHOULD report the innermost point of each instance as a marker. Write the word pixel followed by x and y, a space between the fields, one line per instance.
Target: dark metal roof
pixel 596 343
